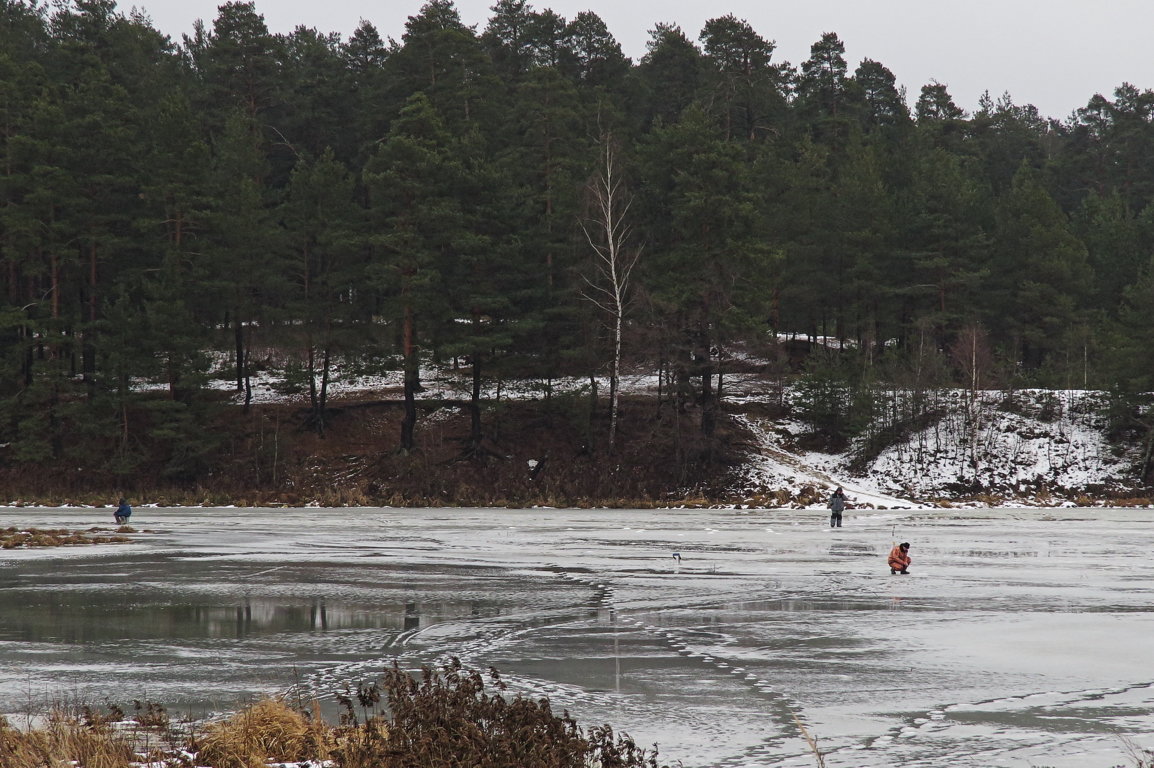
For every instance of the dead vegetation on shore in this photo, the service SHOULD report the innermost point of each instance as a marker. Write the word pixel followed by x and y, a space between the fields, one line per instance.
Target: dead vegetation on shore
pixel 534 453
pixel 444 718
pixel 26 538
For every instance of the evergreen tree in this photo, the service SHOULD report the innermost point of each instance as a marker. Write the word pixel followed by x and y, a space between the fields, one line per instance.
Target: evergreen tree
pixel 941 124
pixel 237 63
pixel 1109 147
pixel 936 105
pixel 323 227
pixel 546 36
pixel 823 87
pixel 319 85
pixel 416 219
pixel 944 259
pixel 672 75
pixel 813 271
pixel 1117 247
pixel 882 104
pixel 1003 135
pixel 543 155
pixel 1040 274
pixel 444 59
pixel 243 246
pixel 862 244
pixel 23 47
pixel 591 55
pixel 746 85
pixel 489 280
pixel 365 55
pixel 177 195
pixel 1130 366
pixel 508 38
pixel 160 205
pixel 709 266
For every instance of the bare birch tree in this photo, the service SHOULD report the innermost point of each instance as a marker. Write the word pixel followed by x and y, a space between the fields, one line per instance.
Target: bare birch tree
pixel 971 353
pixel 608 233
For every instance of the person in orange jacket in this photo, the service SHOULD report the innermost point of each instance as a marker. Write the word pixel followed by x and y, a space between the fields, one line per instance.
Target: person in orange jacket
pixel 900 558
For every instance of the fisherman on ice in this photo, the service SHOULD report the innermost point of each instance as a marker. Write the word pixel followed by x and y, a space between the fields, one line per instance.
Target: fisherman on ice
pixel 123 511
pixel 900 559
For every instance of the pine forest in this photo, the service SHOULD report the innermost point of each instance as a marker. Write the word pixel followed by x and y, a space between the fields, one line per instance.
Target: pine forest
pixel 520 202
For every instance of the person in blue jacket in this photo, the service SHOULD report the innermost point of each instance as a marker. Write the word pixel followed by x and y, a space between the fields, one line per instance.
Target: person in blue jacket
pixel 123 511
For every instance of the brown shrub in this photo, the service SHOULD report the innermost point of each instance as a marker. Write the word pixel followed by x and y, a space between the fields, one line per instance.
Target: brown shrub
pixel 267 731
pixel 446 718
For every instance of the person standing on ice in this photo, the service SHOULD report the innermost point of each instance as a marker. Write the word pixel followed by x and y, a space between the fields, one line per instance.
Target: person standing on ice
pixel 836 507
pixel 900 558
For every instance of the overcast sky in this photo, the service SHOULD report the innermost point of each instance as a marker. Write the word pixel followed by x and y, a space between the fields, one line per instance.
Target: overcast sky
pixel 1054 54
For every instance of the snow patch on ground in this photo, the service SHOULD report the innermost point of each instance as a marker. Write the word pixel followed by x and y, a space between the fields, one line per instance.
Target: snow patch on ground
pixel 773 468
pixel 1045 448
pixel 1038 447
pixel 1059 442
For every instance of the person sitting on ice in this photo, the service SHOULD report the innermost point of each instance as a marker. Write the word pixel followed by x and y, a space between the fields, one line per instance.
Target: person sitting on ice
pixel 900 558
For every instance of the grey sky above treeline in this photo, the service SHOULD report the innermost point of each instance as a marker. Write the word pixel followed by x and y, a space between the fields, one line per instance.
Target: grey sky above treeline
pixel 1054 54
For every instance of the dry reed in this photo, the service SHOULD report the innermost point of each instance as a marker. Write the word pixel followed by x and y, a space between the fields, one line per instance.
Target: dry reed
pixel 268 731
pixel 23 538
pixel 65 738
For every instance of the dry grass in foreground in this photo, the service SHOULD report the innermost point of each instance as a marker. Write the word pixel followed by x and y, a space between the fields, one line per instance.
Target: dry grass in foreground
pixel 444 719
pixel 21 538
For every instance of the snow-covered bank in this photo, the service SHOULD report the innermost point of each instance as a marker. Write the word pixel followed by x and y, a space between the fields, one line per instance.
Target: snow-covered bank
pixel 985 448
pixel 1050 449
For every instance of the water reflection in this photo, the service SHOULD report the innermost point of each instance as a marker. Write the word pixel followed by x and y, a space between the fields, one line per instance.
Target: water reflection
pixel 90 617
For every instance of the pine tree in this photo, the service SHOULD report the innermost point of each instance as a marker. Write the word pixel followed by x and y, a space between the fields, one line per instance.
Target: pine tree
pixel 243 246
pixel 823 88
pixel 709 267
pixel 1040 274
pixel 747 87
pixel 416 219
pixel 444 59
pixel 323 228
pixel 672 75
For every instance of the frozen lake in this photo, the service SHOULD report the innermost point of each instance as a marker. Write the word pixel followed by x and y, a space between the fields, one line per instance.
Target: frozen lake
pixel 1021 637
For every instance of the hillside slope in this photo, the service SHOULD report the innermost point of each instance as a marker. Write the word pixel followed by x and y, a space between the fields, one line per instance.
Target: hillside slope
pixel 1049 448
pixel 548 447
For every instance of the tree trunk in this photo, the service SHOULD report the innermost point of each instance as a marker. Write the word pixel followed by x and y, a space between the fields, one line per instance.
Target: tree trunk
pixel 55 291
pixel 708 400
pixel 326 368
pixel 475 409
pixel 412 381
pixel 311 369
pixel 703 366
pixel 614 379
pixel 88 345
pixel 238 349
pixel 614 263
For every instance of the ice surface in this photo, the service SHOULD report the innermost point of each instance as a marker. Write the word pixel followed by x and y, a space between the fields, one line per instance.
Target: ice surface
pixel 1020 638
